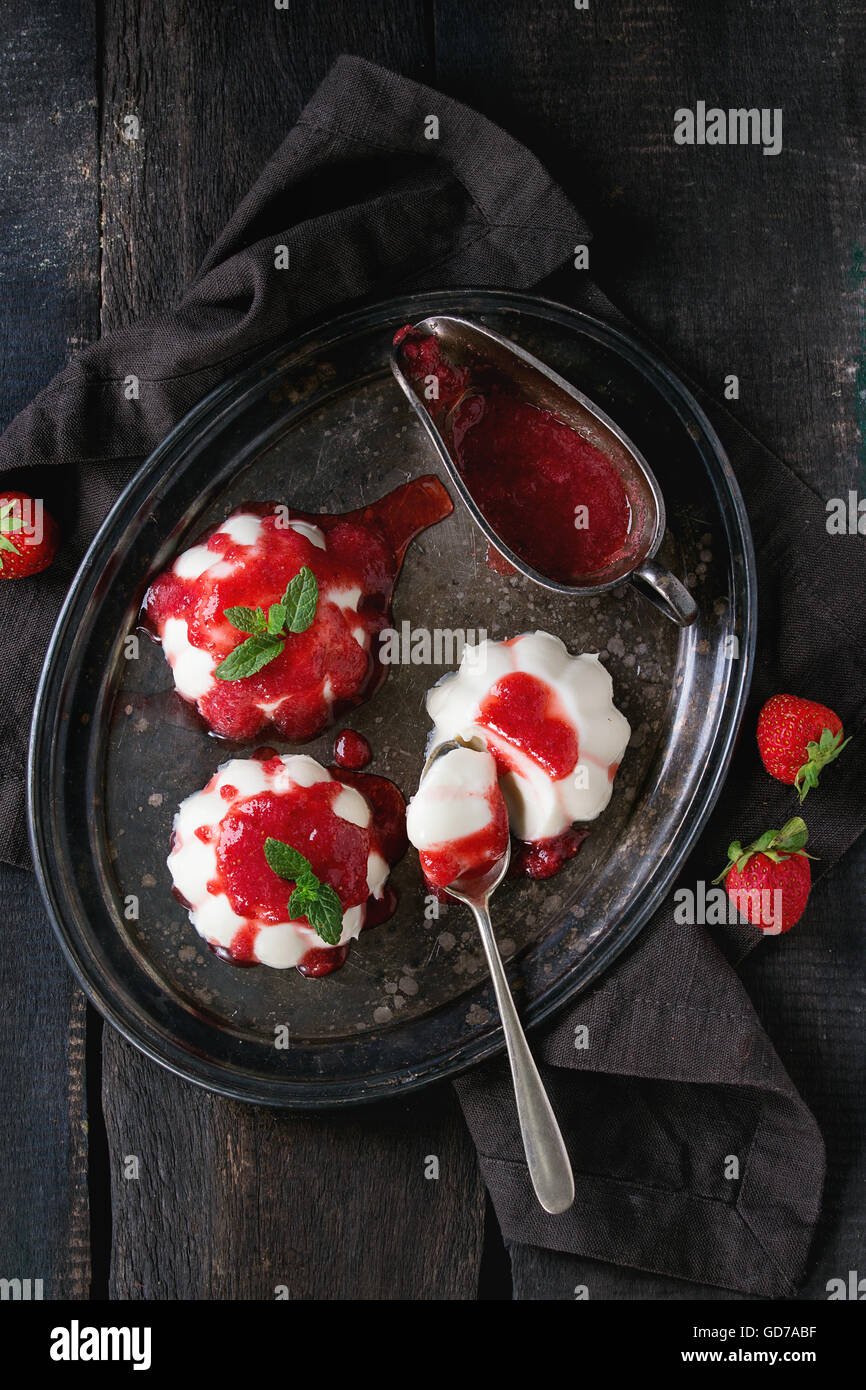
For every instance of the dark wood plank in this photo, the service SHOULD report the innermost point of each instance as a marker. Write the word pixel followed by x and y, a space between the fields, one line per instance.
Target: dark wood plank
pixel 49 252
pixel 231 1201
pixel 237 1203
pixel 45 1232
pixel 735 262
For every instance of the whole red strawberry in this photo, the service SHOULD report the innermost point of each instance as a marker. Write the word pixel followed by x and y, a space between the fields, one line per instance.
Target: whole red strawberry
pixel 29 536
pixel 769 881
pixel 797 738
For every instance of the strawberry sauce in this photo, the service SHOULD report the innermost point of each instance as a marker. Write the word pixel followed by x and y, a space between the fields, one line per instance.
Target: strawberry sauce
pixel 470 856
pixel 352 750
pixel 525 711
pixel 551 494
pixel 544 858
pixel 333 664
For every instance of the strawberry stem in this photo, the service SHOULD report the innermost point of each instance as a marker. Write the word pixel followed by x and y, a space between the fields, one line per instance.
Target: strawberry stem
pixel 777 845
pixel 818 756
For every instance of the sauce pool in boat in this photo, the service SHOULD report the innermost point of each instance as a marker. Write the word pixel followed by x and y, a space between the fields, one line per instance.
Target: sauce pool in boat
pixel 554 497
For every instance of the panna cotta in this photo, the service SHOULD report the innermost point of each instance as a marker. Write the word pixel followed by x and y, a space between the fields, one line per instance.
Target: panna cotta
pixel 457 819
pixel 338 838
pixel 549 721
pixel 273 617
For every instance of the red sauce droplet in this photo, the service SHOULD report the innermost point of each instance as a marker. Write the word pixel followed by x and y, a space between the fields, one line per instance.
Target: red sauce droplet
pixel 204 833
pixel 227 954
pixel 497 562
pixel 525 711
pixel 543 858
pixel 323 961
pixel 228 792
pixel 379 910
pixel 352 750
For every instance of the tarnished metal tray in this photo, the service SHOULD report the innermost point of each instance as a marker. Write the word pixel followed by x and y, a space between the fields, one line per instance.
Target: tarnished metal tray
pixel 322 425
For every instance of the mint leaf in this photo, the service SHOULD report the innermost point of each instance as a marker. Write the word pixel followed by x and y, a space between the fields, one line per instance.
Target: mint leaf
pixel 285 861
pixel 299 600
pixel 297 904
pixel 324 912
pixel 276 618
pixel 249 657
pixel 247 620
pixel 317 901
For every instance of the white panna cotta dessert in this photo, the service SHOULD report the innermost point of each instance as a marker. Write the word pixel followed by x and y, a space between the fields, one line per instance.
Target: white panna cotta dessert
pixel 549 721
pixel 457 819
pixel 236 900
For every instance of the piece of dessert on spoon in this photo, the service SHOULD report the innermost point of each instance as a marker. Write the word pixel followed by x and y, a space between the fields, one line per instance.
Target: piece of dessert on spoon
pixel 459 785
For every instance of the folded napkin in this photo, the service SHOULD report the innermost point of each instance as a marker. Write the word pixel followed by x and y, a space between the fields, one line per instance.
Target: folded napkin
pixel 679 1074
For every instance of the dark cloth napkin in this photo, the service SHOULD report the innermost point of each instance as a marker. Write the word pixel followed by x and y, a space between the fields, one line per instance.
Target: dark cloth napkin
pixel 679 1076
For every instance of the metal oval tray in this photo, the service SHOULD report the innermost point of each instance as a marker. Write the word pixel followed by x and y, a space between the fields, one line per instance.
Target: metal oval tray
pixel 322 425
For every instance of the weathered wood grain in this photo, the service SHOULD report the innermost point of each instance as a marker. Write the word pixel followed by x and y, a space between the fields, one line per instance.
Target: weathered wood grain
pixel 237 1203
pixel 230 1201
pixel 49 254
pixel 733 260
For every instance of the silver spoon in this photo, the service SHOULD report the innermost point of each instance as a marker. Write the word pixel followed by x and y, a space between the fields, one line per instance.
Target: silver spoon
pixel 465 344
pixel 546 1156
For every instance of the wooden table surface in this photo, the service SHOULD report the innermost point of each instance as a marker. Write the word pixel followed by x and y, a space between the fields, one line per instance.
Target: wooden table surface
pixel 734 261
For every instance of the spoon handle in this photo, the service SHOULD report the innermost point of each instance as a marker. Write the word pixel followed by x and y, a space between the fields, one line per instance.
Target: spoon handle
pixel 546 1155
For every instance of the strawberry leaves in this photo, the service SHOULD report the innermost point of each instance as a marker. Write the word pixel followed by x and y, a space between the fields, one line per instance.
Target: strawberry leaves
pixel 818 756
pixel 776 845
pixel 8 525
pixel 267 633
pixel 311 898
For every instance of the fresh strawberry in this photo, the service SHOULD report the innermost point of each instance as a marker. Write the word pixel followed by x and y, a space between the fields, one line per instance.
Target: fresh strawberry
pixel 776 864
pixel 29 536
pixel 797 738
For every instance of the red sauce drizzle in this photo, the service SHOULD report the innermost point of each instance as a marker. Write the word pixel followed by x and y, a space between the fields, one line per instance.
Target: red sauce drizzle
pixel 525 712
pixel 544 858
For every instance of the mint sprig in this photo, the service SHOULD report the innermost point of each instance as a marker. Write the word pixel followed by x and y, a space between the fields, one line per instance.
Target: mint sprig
pixel 311 898
pixel 294 612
